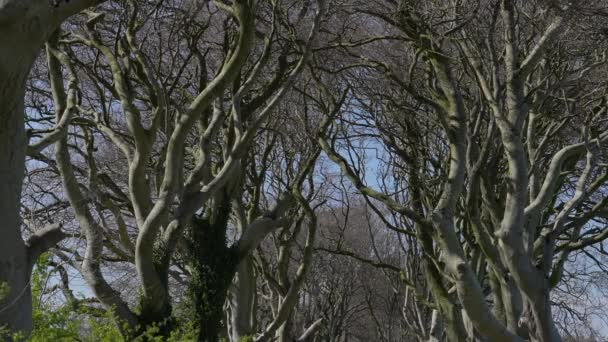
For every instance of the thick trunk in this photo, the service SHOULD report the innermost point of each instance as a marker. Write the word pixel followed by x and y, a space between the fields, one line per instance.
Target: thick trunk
pixel 546 330
pixel 24 27
pixel 15 62
pixel 213 266
pixel 208 290
pixel 242 301
pixel 209 296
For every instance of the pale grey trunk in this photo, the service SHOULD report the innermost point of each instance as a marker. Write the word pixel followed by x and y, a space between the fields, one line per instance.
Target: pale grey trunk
pixel 16 307
pixel 16 57
pixel 24 27
pixel 436 331
pixel 242 301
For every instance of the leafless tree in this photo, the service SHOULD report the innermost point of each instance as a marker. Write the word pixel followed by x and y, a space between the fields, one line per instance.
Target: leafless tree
pixel 312 171
pixel 475 90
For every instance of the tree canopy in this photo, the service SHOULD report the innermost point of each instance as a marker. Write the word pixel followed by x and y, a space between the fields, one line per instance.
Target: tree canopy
pixel 323 170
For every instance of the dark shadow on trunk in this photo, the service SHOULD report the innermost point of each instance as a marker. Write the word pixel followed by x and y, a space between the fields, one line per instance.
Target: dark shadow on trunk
pixel 16 304
pixel 213 265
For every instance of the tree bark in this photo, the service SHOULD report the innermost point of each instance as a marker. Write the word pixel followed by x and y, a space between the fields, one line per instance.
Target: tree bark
pixel 16 57
pixel 16 307
pixel 24 27
pixel 243 300
pixel 213 266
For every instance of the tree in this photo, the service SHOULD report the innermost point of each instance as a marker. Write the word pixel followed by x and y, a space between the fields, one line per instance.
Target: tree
pixel 447 122
pixel 199 144
pixel 24 27
pixel 356 170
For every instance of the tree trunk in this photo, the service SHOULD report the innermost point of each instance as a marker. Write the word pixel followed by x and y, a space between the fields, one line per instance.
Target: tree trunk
pixel 242 301
pixel 283 334
pixel 209 292
pixel 24 27
pixel 213 266
pixel 436 331
pixel 16 58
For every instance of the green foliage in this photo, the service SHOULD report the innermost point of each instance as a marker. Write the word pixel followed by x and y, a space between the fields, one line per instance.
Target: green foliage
pixel 241 339
pixel 212 265
pixel 102 329
pixel 183 333
pixel 63 323
pixel 49 323
pixel 5 335
pixel 4 290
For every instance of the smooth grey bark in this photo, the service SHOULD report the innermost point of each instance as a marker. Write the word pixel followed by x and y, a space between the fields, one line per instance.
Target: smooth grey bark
pixel 24 27
pixel 154 293
pixel 16 308
pixel 200 187
pixel 519 222
pixel 533 284
pixel 309 334
pixel 436 330
pixel 93 232
pixel 243 300
pixel 287 302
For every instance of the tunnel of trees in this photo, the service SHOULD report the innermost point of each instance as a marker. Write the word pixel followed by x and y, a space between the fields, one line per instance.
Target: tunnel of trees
pixel 303 170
